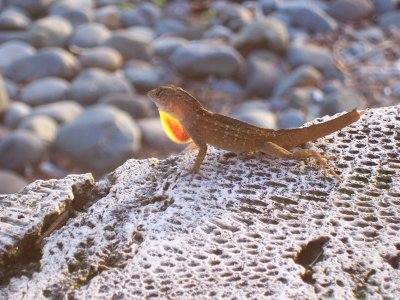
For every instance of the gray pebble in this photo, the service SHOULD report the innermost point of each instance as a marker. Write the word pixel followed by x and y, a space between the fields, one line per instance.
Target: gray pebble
pixel 144 14
pixel 143 76
pixel 382 6
pixel 101 138
pixel 90 35
pixel 12 51
pixel 390 21
pixel 45 90
pixel 12 19
pixel 372 33
pixel 291 118
pixel 305 97
pixel 306 54
pixel 257 117
pixel 108 16
pixel 20 150
pixel 34 7
pixel 171 27
pixel 102 58
pixel 218 32
pixel 232 15
pixel 227 86
pixel 45 63
pixel 93 83
pixel 52 31
pixel 15 112
pixel 138 107
pixel 131 44
pixel 4 101
pixel 344 99
pixel 165 46
pixel 43 127
pixel 11 182
pixel 75 15
pixel 11 88
pixel 314 20
pixel 268 32
pixel 302 76
pixel 263 73
pixel 61 112
pixel 350 10
pixel 200 59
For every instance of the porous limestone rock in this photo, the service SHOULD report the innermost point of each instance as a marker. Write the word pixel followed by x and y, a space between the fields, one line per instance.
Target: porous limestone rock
pixel 253 227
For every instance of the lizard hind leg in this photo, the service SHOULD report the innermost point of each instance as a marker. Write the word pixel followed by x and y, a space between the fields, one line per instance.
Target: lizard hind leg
pixel 278 151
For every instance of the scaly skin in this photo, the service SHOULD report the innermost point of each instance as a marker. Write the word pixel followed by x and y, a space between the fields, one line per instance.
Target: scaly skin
pixel 208 128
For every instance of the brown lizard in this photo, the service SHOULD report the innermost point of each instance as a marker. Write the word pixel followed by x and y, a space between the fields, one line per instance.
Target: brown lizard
pixel 185 119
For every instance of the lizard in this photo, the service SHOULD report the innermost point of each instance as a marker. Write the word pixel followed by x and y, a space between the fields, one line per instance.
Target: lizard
pixel 186 120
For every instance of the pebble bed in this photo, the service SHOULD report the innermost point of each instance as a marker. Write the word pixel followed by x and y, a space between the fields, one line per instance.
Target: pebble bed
pixel 74 73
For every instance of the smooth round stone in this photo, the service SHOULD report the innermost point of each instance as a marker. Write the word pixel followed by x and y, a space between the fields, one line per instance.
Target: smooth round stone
pixel 232 15
pixel 19 150
pixel 372 33
pixel 165 46
pixel 172 27
pixel 199 59
pixel 263 73
pixel 4 101
pixel 15 112
pixel 302 76
pixel 350 10
pixel 218 32
pixel 257 117
pixel 306 54
pixel 43 127
pixel 90 35
pixel 131 44
pixel 382 6
pixel 52 31
pixel 268 33
pixel 61 112
pixel 138 107
pixel 45 63
pixel 11 19
pixel 108 16
pixel 45 90
pixel 390 21
pixel 143 76
pixel 144 14
pixel 102 58
pixel 12 51
pixel 34 7
pixel 154 136
pixel 101 138
pixel 11 88
pixel 291 118
pixel 314 20
pixel 11 182
pixel 344 99
pixel 227 86
pixel 75 15
pixel 304 97
pixel 92 84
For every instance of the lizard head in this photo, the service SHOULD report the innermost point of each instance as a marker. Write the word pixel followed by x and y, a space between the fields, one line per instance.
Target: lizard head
pixel 174 101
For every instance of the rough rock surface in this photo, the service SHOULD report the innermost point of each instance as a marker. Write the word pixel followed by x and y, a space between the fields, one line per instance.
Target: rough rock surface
pixel 253 228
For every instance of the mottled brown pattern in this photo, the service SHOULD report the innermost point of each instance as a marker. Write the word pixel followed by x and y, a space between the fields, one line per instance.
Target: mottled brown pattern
pixel 208 128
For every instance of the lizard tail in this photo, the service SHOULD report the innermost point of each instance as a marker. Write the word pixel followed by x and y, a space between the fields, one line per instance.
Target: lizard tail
pixel 291 138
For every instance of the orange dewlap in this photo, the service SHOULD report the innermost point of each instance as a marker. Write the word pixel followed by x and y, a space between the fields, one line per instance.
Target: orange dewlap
pixel 174 129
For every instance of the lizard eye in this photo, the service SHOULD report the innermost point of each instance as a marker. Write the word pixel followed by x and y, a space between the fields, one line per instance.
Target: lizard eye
pixel 159 93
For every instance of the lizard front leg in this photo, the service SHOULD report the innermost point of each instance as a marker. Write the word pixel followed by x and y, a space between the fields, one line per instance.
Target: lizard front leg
pixel 278 151
pixel 200 157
